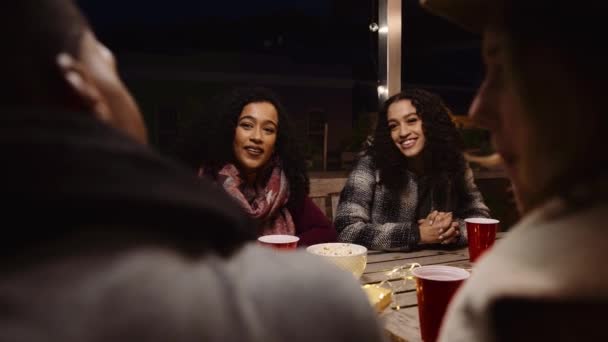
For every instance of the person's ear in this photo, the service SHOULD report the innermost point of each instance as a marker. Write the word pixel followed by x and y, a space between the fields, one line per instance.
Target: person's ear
pixel 82 86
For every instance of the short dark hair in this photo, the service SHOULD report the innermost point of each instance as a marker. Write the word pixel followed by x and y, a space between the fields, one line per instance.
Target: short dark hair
pixel 209 138
pixel 33 32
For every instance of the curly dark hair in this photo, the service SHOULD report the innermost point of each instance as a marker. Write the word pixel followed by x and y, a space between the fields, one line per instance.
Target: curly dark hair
pixel 209 138
pixel 443 161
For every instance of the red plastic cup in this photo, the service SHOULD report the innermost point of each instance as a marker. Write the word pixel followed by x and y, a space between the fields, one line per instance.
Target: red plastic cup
pixel 481 233
pixel 282 242
pixel 435 287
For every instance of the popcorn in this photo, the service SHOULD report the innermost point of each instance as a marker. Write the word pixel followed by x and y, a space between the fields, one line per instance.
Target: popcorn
pixel 344 249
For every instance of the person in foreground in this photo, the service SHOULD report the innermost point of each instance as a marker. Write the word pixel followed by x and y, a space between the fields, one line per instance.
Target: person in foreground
pixel 412 187
pixel 543 98
pixel 257 161
pixel 112 242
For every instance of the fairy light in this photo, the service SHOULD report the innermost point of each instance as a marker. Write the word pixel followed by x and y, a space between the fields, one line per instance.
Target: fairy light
pixel 382 90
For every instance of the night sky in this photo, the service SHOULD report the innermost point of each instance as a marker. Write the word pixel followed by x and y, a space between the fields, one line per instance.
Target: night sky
pixel 436 54
pixel 155 12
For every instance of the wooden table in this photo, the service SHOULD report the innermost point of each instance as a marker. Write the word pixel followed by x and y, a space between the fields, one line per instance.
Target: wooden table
pixel 402 324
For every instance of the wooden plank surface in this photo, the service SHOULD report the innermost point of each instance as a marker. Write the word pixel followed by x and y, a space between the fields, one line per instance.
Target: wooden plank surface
pixel 405 300
pixel 375 273
pixel 406 288
pixel 387 256
pixel 381 256
pixel 437 257
pixel 402 325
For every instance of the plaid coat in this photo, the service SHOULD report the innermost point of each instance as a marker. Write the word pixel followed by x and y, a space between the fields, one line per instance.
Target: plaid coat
pixel 372 215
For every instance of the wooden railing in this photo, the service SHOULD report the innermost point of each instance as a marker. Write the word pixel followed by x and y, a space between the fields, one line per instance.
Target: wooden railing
pixel 325 192
pixel 328 204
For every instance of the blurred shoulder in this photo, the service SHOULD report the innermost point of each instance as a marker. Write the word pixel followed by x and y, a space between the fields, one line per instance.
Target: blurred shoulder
pixel 302 290
pixel 298 268
pixel 537 257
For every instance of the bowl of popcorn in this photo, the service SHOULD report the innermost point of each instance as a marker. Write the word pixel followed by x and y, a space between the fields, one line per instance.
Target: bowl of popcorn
pixel 347 256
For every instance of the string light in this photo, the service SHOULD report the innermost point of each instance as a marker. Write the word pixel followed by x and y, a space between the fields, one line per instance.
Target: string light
pixel 382 90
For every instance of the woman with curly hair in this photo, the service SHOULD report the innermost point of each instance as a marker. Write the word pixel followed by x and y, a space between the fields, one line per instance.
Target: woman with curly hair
pixel 411 187
pixel 247 146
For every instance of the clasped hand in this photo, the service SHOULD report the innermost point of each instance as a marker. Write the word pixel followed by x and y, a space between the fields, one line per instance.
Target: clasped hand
pixel 438 227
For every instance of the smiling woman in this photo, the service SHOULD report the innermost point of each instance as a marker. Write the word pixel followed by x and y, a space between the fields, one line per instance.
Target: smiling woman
pixel 247 146
pixel 412 187
pixel 255 136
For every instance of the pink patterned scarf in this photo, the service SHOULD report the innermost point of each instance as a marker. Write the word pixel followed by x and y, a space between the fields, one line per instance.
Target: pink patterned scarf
pixel 267 207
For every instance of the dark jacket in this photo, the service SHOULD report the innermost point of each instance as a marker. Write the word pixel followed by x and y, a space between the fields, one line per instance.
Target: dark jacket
pixel 64 171
pixel 108 241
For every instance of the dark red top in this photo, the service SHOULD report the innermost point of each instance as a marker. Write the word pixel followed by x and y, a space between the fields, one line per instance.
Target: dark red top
pixel 312 226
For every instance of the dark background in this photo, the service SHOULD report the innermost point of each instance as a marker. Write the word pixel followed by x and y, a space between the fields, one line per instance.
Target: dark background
pixel 319 55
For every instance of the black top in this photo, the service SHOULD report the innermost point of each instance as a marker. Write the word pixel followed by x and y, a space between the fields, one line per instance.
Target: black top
pixel 62 172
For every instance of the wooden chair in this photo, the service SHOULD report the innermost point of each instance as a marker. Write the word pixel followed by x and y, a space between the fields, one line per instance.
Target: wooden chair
pixel 325 193
pixel 334 198
pixel 320 201
pixel 549 319
pixel 328 204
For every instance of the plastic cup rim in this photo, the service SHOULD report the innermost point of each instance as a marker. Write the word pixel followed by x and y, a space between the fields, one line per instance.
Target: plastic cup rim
pixel 278 238
pixel 441 270
pixel 481 220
